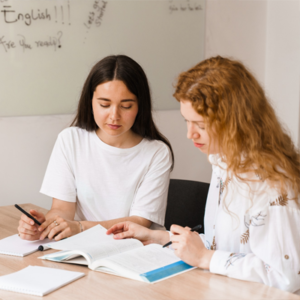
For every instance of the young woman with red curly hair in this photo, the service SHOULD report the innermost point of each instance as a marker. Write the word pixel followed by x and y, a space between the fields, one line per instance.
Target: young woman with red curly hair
pixel 252 216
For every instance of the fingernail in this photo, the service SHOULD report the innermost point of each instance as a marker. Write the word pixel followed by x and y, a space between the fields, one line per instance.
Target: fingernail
pixel 32 223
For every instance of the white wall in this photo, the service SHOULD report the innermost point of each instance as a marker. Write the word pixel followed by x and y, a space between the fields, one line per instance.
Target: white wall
pixel 26 145
pixel 265 36
pixel 245 30
pixel 299 121
pixel 237 29
pixel 283 62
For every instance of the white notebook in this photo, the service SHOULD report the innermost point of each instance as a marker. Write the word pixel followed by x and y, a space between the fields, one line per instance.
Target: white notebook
pixel 38 281
pixel 14 245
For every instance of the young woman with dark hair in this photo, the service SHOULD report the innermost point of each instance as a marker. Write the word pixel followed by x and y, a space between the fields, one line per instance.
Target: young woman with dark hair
pixel 112 164
pixel 252 213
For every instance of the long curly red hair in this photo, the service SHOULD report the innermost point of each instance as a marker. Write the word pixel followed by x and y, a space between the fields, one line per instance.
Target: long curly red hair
pixel 234 104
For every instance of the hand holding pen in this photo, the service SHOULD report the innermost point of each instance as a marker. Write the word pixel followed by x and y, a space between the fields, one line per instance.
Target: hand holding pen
pixel 34 226
pixel 198 227
pixel 189 247
pixel 29 224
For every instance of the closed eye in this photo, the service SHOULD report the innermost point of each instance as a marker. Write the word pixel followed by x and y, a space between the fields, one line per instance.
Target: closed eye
pixel 200 126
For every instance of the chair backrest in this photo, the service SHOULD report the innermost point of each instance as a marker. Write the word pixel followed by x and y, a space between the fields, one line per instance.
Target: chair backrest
pixel 186 203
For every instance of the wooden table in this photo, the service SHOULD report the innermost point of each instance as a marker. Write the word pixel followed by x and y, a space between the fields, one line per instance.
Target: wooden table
pixel 195 284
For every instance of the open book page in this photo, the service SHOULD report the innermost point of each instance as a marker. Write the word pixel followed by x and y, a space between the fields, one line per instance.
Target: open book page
pixel 93 244
pixel 150 263
pixel 79 260
pixel 95 233
pixel 93 251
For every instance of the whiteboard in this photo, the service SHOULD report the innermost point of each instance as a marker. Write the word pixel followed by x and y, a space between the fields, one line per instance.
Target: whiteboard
pixel 48 47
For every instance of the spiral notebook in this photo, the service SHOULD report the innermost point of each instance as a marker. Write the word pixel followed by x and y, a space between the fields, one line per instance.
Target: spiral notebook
pixel 14 245
pixel 38 281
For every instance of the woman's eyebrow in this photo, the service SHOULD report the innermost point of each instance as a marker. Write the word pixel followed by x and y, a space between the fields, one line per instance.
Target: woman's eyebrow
pixel 192 121
pixel 128 100
pixel 124 100
pixel 103 99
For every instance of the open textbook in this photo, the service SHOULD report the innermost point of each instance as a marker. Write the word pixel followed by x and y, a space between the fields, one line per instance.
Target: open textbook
pixel 127 258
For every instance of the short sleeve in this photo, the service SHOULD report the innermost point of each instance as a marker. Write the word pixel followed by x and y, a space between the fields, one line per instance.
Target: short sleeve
pixel 150 201
pixel 59 180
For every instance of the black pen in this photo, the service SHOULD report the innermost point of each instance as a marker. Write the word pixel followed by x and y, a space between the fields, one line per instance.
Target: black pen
pixel 27 214
pixel 43 248
pixel 193 229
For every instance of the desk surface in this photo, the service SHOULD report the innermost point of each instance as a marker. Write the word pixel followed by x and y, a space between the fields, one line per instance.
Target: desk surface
pixel 195 284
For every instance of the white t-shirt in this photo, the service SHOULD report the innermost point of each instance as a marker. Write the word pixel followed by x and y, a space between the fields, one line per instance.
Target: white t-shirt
pixel 108 182
pixel 259 239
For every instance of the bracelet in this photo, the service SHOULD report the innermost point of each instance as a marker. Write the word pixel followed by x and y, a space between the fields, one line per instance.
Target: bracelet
pixel 81 228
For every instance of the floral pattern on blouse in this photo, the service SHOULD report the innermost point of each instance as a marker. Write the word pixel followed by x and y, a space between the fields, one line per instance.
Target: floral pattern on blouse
pixel 282 200
pixel 233 258
pixel 267 267
pixel 213 245
pixel 258 219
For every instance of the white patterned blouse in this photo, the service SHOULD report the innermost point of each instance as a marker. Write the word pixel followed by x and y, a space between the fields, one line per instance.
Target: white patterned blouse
pixel 254 230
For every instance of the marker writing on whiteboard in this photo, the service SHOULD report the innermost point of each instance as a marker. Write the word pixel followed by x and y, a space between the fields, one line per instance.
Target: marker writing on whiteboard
pixel 59 37
pixel 7 44
pixel 23 43
pixel 12 16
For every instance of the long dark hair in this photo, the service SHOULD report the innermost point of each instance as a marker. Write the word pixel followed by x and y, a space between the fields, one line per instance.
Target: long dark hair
pixel 120 67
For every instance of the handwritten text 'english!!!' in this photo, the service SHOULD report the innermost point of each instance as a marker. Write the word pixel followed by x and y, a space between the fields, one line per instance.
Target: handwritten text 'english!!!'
pixel 59 14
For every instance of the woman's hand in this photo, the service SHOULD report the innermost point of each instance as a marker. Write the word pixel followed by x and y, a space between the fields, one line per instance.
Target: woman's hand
pixel 28 229
pixel 189 247
pixel 58 228
pixel 129 229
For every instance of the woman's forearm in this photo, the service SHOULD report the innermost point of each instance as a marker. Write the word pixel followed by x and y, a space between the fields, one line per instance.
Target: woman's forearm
pixel 63 209
pixel 109 223
pixel 53 212
pixel 156 236
pixel 160 236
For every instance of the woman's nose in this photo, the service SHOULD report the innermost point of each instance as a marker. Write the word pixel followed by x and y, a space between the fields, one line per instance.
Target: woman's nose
pixel 192 133
pixel 114 114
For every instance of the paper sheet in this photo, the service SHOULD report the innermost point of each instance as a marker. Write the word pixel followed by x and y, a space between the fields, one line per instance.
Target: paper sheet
pixel 146 259
pixel 14 245
pixel 37 281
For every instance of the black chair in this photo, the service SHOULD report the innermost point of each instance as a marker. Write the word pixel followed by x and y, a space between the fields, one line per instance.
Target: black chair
pixel 186 203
